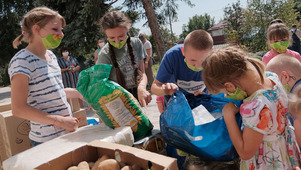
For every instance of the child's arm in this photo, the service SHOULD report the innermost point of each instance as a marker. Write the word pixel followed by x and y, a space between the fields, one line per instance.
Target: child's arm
pixel 20 108
pixel 297 126
pixel 160 103
pixel 73 93
pixel 247 142
pixel 161 89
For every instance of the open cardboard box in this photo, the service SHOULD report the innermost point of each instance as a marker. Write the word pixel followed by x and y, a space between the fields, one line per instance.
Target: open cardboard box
pixel 95 149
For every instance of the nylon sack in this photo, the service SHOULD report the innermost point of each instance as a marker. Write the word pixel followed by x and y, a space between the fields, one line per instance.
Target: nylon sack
pixel 209 141
pixel 113 104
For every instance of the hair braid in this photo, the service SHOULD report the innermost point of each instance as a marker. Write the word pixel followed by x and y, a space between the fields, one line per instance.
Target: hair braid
pixel 119 75
pixel 137 74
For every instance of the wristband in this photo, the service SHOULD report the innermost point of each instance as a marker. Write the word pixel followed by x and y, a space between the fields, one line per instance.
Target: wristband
pixel 54 120
pixel 146 62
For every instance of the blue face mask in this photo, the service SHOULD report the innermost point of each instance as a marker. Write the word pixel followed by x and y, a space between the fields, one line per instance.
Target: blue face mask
pixel 237 95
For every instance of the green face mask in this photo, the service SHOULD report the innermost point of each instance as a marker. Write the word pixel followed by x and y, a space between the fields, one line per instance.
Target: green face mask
pixel 281 46
pixel 237 95
pixel 287 88
pixel 52 41
pixel 193 68
pixel 118 45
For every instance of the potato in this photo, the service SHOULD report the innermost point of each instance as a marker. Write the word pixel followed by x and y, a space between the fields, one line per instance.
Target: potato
pixel 127 168
pixel 135 167
pixel 73 168
pixel 91 164
pixel 122 164
pixel 109 164
pixel 83 165
pixel 102 158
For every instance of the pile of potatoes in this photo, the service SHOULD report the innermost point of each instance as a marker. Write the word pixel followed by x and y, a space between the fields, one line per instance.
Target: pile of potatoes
pixel 104 163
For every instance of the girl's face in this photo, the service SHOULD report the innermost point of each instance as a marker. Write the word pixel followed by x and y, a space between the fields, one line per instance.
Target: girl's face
pixel 53 27
pixel 117 34
pixel 279 40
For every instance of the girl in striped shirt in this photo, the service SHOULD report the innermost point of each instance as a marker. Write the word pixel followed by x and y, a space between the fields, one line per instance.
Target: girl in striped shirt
pixel 37 91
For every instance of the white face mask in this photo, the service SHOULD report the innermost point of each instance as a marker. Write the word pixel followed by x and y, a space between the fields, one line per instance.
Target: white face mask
pixel 101 44
pixel 65 54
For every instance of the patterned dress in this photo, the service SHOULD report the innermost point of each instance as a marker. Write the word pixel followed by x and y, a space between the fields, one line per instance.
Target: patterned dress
pixel 69 77
pixel 265 111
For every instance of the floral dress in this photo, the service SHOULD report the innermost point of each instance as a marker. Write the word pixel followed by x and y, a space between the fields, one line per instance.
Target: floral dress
pixel 265 111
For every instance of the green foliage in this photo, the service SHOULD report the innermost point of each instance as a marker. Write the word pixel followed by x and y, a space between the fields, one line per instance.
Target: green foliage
pixel 259 15
pixel 197 22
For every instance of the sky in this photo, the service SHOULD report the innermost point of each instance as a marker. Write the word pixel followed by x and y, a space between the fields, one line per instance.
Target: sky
pixel 215 8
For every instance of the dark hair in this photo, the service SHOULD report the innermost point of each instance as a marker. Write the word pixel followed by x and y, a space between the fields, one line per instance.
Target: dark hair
pixel 64 48
pixel 277 31
pixel 276 21
pixel 112 20
pixel 227 64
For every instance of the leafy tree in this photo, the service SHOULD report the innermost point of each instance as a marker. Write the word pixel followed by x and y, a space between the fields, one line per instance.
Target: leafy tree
pixel 197 22
pixel 170 12
pixel 11 12
pixel 259 15
pixel 234 19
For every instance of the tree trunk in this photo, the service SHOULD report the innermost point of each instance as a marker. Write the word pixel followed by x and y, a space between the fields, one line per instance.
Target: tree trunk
pixel 154 27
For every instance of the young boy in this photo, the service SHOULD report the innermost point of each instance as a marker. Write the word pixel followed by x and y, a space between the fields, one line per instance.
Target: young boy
pixel 181 66
pixel 288 69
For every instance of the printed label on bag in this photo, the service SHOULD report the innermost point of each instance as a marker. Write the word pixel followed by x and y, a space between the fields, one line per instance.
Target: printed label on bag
pixel 120 113
pixel 201 115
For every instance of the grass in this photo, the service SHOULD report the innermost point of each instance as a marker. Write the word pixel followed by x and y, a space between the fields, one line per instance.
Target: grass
pixel 155 68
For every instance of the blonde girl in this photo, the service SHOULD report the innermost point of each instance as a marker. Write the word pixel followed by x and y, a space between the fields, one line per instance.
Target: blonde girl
pixel 37 91
pixel 266 142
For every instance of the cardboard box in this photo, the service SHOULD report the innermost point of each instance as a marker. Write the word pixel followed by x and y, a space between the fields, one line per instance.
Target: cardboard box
pixel 14 135
pixel 94 150
pixel 5 107
pixel 81 116
pixel 74 104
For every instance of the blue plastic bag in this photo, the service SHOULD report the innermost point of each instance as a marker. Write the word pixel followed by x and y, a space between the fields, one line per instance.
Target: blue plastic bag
pixel 210 141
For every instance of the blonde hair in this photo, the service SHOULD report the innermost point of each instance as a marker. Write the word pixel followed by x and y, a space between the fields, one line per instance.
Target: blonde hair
pixel 227 64
pixel 199 39
pixel 284 62
pixel 295 101
pixel 38 16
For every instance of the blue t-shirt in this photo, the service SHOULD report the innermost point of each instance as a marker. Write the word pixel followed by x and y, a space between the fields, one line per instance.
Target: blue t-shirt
pixel 174 69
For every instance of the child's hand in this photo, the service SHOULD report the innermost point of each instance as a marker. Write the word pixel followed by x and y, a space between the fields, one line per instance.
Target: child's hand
pixel 230 109
pixel 169 88
pixel 68 123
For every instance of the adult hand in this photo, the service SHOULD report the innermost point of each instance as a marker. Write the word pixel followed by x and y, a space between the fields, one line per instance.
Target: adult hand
pixel 144 97
pixel 68 123
pixel 169 88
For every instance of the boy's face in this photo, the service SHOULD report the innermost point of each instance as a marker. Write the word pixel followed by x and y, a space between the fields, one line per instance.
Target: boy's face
pixel 195 57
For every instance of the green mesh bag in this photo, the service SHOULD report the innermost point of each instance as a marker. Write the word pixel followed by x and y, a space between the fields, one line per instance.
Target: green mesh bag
pixel 113 104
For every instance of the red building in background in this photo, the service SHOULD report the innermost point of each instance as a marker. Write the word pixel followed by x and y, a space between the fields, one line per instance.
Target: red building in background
pixel 217 32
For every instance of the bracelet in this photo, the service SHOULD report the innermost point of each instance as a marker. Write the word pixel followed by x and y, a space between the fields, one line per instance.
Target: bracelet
pixel 146 62
pixel 54 120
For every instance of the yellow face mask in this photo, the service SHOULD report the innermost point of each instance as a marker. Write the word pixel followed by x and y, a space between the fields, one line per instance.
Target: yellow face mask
pixel 237 95
pixel 118 45
pixel 193 68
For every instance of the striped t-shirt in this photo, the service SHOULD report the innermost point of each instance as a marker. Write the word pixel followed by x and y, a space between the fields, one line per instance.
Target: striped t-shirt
pixel 46 90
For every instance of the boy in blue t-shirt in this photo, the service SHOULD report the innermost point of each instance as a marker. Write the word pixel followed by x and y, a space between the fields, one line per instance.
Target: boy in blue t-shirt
pixel 181 66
